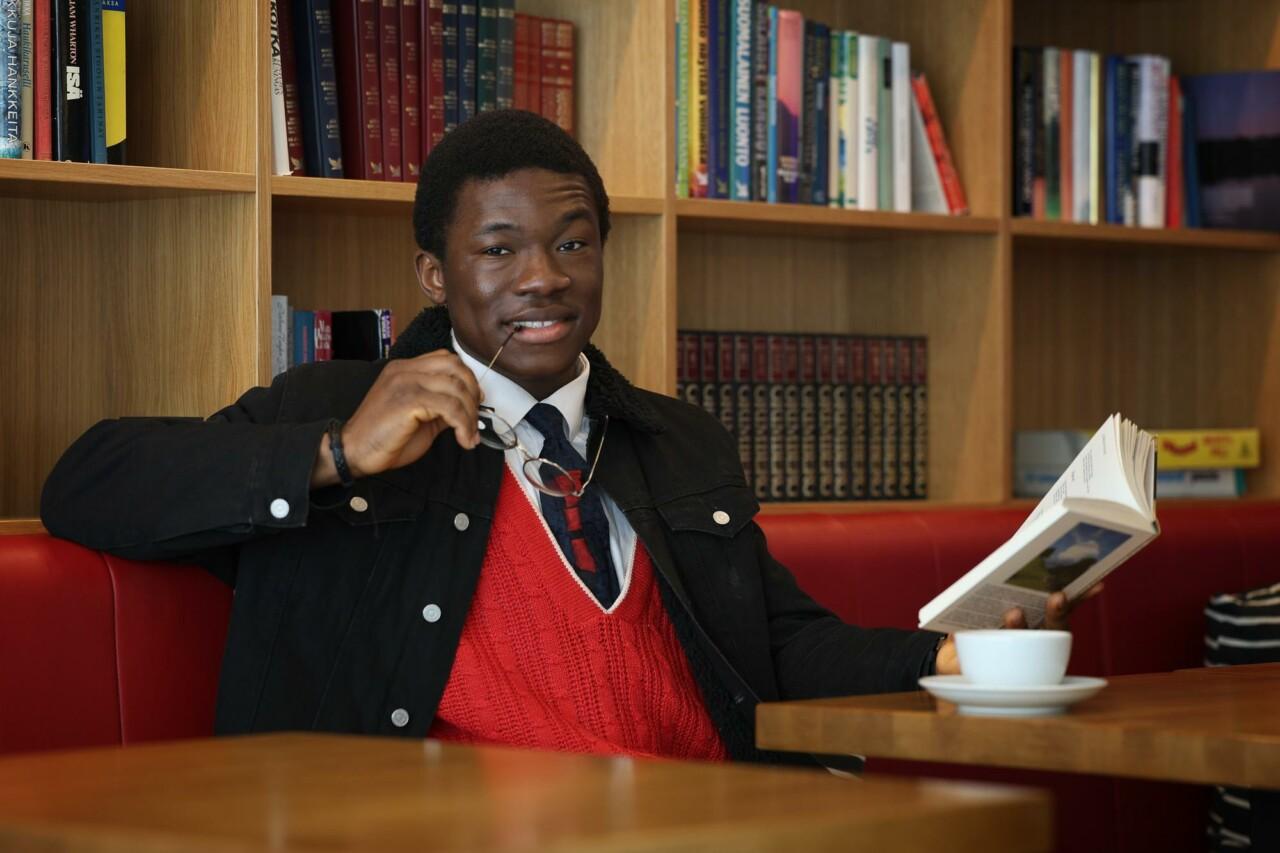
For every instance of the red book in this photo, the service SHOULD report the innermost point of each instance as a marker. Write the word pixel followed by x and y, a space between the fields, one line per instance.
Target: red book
pixel 522 99
pixel 432 75
pixel 411 86
pixel 535 64
pixel 562 108
pixel 938 142
pixel 42 46
pixel 1066 132
pixel 292 102
pixel 392 149
pixel 324 335
pixel 1174 185
pixel 355 38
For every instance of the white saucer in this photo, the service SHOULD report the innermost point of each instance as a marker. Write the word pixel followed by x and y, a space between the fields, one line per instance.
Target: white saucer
pixel 987 700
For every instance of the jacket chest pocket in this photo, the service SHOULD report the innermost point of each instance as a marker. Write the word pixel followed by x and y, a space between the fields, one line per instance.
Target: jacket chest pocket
pixel 708 527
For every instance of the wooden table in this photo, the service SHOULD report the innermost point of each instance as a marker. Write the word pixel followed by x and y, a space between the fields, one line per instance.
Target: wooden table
pixel 1217 725
pixel 336 792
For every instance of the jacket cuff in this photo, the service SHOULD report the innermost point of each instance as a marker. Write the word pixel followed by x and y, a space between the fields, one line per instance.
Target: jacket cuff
pixel 282 490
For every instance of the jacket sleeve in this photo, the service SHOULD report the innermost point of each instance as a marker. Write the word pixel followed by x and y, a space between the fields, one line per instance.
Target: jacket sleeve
pixel 815 654
pixel 171 488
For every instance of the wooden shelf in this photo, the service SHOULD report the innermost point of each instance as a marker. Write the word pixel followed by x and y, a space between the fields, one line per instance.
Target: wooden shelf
pixel 842 507
pixel 753 217
pixel 332 195
pixel 1194 238
pixel 40 179
pixel 19 526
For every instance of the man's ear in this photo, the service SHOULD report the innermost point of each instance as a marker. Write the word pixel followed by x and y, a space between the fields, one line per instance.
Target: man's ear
pixel 430 276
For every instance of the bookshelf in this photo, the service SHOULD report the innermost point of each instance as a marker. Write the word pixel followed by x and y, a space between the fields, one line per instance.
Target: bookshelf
pixel 145 289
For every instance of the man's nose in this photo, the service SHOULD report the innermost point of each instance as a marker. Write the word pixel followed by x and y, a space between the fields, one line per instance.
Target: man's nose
pixel 542 274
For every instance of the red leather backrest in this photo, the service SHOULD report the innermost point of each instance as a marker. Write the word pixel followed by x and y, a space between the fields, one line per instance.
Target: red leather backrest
pixel 95 650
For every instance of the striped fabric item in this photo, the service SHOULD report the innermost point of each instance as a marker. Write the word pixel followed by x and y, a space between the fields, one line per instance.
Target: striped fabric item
pixel 1243 628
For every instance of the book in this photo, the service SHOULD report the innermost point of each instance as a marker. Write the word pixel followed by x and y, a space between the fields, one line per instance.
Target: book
pixel 1151 131
pixel 868 124
pixel 891 429
pixel 859 420
pixel 1174 184
pixel 681 87
pixel 279 137
pixel 720 102
pixel 323 335
pixel 927 192
pixel 951 186
pixel 901 95
pixel 42 83
pixel 810 69
pixel 1190 162
pixel 692 369
pixel 841 410
pixel 1100 512
pixel 771 132
pixel 280 320
pixel 1081 132
pixel 487 56
pixel 836 100
pixel 742 401
pixel 906 419
pixel 1050 115
pixel 726 395
pixel 1095 139
pixel 506 53
pixel 792 459
pixel 303 337
pixel 807 379
pixel 411 120
pixel 849 123
pixel 885 126
pixel 708 362
pixel 826 434
pixel 559 57
pixel 26 76
pixel 392 107
pixel 790 103
pixel 1201 483
pixel 449 41
pixel 356 52
pixel 761 419
pixel 875 421
pixel 699 75
pixel 1066 134
pixel 742 22
pixel 1209 448
pixel 432 75
pixel 777 409
pixel 920 418
pixel 96 132
pixel 365 335
pixel 1024 127
pixel 317 83
pixel 292 98
pixel 10 80
pixel 71 109
pixel 468 57
pixel 760 54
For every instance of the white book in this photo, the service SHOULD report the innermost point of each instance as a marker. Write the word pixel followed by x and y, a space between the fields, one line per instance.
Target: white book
pixel 1150 132
pixel 1080 132
pixel 835 121
pixel 279 135
pixel 849 129
pixel 25 58
pixel 927 194
pixel 1101 511
pixel 868 122
pixel 900 63
pixel 279 334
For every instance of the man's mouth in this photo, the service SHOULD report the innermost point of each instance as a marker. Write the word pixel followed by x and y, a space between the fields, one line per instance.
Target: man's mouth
pixel 541 331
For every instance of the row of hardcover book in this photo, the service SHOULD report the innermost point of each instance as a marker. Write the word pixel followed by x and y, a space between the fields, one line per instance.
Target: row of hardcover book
pixel 1122 140
pixel 300 336
pixel 773 107
pixel 816 417
pixel 365 89
pixel 62 80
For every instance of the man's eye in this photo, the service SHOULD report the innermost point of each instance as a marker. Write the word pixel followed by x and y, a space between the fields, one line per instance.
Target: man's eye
pixel 496 251
pixel 572 245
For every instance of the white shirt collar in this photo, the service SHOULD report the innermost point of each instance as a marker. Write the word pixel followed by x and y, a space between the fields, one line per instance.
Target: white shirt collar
pixel 512 403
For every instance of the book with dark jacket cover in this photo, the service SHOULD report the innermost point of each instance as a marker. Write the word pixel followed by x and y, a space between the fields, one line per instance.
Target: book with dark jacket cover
pixel 558 92
pixel 506 53
pixel 318 84
pixel 791 419
pixel 820 106
pixel 826 416
pixel 807 382
pixel 392 109
pixel 906 417
pixel 777 417
pixel 869 423
pixel 708 358
pixel 920 418
pixel 723 99
pixel 468 45
pixel 449 33
pixel 362 335
pixel 292 97
pixel 761 420
pixel 411 87
pixel 355 37
pixel 97 131
pixel 711 116
pixel 1025 60
pixel 682 376
pixel 432 75
pixel 817 61
pixel 72 69
pixel 744 422
pixel 841 417
pixel 760 37
pixel 487 56
pixel 725 392
pixel 892 423
pixel 692 369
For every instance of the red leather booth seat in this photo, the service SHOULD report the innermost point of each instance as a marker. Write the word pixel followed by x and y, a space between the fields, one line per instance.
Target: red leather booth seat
pixel 877 569
pixel 97 650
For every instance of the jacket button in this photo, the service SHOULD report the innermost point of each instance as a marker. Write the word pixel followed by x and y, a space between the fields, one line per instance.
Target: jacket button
pixel 431 613
pixel 720 517
pixel 359 504
pixel 399 718
pixel 461 521
pixel 739 699
pixel 279 508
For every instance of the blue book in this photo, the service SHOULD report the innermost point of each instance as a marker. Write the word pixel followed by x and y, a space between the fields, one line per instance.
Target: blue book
pixel 97 81
pixel 712 117
pixel 10 82
pixel 303 337
pixel 449 18
pixel 1190 163
pixel 318 86
pixel 820 70
pixel 771 179
pixel 724 98
pixel 759 101
pixel 1110 153
pixel 1124 151
pixel 468 59
pixel 741 33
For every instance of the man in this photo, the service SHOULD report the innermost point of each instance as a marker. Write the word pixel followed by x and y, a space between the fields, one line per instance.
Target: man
pixel 492 536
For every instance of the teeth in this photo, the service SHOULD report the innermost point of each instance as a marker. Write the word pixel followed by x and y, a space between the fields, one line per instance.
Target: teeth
pixel 534 324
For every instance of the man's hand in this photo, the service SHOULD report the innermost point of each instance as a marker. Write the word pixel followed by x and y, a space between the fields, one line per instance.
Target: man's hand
pixel 1057 614
pixel 410 404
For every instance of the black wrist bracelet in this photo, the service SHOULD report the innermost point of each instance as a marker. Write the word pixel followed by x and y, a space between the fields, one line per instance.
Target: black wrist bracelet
pixel 339 458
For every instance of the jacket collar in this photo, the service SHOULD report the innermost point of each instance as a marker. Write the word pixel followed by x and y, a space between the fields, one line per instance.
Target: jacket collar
pixel 609 394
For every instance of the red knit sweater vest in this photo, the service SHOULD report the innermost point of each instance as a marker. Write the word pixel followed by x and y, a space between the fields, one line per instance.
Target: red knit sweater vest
pixel 540 664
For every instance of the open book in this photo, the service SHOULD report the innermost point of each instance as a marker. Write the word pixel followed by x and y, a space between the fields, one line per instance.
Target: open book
pixel 1101 511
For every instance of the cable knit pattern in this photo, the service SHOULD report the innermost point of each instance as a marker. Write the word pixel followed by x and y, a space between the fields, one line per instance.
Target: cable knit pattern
pixel 542 665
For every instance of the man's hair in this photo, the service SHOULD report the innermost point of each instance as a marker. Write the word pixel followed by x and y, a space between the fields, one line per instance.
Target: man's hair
pixel 492 145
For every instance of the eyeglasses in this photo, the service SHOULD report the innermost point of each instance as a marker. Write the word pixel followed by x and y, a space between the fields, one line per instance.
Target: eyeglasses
pixel 543 474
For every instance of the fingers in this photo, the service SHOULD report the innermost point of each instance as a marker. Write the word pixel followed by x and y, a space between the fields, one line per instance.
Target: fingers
pixel 440 385
pixel 1014 618
pixel 1056 611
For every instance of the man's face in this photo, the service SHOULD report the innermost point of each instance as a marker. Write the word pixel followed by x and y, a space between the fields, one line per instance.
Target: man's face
pixel 523 255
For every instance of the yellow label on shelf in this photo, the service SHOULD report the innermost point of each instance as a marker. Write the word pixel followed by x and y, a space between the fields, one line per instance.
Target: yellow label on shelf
pixel 1181 449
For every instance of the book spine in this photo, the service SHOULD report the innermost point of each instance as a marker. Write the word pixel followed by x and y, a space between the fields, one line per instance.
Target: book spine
pixel 433 57
pixel 535 65
pixel 487 56
pixel 279 138
pixel 760 101
pixel 859 419
pixel 771 135
pixel 1066 135
pixel 70 115
pixel 562 92
pixel 906 419
pixel 927 192
pixel 681 91
pixel 875 419
pixel 355 39
pixel 392 109
pixel 1095 139
pixel 1208 448
pixel 951 185
pixel 468 58
pixel 740 85
pixel 708 361
pixel 724 99
pixel 449 35
pixel 97 129
pixel 849 129
pixel 833 419
pixel 901 93
pixel 791 418
pixel 42 46
pixel 711 118
pixel 1110 91
pixel 1190 162
pixel 506 54
pixel 1024 135
pixel 809 124
pixel 10 80
pixel 1038 135
pixel 820 107
pixel 303 337
pixel 1126 143
pixel 891 431
pixel 279 335
pixel 387 330
pixel 692 369
pixel 322 138
pixel 26 77
pixel 1081 135
pixel 725 392
pixel 292 98
pixel 835 115
pixel 682 378
pixel 761 466
pixel 790 100
pixel 1152 109
pixel 699 47
pixel 808 387
pixel 1051 115
pixel 1173 195
pixel 743 388
pixel 521 100
pixel 323 335
pixel 920 418
pixel 884 152
pixel 777 410
pixel 868 122
pixel 411 88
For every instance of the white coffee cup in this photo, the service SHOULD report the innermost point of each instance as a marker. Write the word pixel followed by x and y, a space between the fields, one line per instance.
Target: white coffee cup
pixel 1013 657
